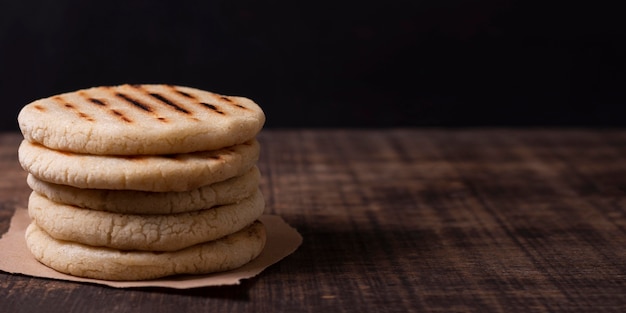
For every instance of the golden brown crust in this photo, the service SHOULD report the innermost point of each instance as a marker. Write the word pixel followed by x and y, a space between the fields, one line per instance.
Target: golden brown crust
pixel 140 120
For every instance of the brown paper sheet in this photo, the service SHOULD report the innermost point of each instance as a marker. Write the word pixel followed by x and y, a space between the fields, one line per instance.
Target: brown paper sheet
pixel 282 240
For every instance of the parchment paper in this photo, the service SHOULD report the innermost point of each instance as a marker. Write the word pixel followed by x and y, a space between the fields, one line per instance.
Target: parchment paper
pixel 282 240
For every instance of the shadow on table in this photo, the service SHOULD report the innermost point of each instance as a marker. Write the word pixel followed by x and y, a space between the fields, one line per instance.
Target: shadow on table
pixel 232 292
pixel 359 249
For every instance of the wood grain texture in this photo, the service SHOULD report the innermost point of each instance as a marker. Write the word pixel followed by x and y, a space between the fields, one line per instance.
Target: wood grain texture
pixel 405 220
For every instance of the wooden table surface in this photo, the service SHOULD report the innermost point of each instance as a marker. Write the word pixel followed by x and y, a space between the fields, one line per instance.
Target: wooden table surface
pixel 404 220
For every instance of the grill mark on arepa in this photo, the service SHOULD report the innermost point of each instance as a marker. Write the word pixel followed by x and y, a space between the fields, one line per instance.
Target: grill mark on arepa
pixel 212 107
pixel 169 102
pixel 205 104
pixel 103 103
pixel 97 102
pixel 39 108
pixel 233 103
pixel 86 117
pixel 182 93
pixel 71 107
pixel 120 115
pixel 136 103
pixel 92 100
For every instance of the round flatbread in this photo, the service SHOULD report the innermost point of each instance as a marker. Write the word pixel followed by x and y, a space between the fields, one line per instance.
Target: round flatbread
pixel 162 173
pixel 143 202
pixel 76 259
pixel 140 120
pixel 167 232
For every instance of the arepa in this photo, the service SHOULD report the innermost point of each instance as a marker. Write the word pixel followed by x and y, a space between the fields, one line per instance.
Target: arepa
pixel 228 191
pixel 226 253
pixel 162 232
pixel 140 120
pixel 137 182
pixel 162 173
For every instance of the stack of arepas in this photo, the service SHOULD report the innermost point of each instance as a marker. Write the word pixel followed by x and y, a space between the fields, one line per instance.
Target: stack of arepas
pixel 137 182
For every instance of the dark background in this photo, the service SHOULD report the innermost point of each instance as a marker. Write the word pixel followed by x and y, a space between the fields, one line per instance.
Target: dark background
pixel 333 63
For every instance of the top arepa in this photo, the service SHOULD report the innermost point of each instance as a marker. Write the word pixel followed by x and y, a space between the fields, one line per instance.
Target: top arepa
pixel 140 120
